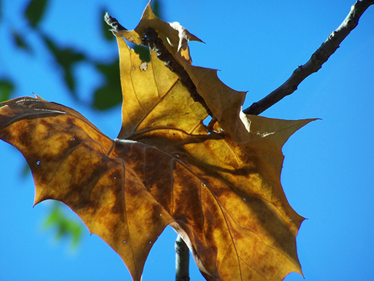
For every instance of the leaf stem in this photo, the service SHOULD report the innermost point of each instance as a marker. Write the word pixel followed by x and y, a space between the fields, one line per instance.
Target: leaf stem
pixel 182 260
pixel 318 58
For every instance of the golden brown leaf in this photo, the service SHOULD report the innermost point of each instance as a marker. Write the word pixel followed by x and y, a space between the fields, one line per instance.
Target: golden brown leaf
pixel 71 161
pixel 154 97
pixel 219 188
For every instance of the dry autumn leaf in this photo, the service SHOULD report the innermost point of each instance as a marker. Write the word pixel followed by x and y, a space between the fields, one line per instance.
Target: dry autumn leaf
pixel 218 187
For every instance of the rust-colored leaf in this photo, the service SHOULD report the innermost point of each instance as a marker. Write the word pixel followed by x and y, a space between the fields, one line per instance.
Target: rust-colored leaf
pixel 218 187
pixel 71 161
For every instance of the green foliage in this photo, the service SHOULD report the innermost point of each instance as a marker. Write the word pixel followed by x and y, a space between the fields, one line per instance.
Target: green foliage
pixel 143 52
pixel 157 8
pixel 35 11
pixel 64 226
pixel 108 96
pixel 65 58
pixel 6 89
pixel 20 42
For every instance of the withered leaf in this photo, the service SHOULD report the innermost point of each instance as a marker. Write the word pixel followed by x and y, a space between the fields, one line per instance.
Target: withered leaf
pixel 219 188
pixel 73 162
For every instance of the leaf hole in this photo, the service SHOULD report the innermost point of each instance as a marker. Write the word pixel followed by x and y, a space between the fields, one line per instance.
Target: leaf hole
pixel 207 120
pixel 38 162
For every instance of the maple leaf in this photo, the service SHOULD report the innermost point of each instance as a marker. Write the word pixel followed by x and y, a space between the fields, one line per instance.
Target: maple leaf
pixel 217 186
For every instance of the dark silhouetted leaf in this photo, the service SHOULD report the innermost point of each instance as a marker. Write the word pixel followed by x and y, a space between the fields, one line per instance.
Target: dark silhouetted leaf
pixel 20 41
pixel 157 8
pixel 65 58
pixel 6 89
pixel 109 94
pixel 35 11
pixel 142 51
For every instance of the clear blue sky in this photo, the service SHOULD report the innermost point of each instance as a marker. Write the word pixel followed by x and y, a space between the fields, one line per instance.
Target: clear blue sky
pixel 328 170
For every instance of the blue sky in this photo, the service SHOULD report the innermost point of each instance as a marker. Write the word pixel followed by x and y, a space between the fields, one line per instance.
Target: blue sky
pixel 327 173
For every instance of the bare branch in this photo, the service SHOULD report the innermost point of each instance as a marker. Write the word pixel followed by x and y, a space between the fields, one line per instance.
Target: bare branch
pixel 319 57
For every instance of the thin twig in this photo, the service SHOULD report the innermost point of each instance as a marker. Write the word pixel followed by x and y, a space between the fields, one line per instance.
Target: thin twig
pixel 319 57
pixel 182 260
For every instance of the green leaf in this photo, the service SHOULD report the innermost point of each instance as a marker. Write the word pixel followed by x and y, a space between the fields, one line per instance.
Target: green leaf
pixel 66 58
pixel 35 11
pixel 157 8
pixel 143 52
pixel 20 42
pixel 6 89
pixel 109 94
pixel 53 217
pixel 63 226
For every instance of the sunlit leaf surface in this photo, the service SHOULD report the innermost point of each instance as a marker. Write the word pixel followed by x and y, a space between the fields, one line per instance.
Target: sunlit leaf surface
pixel 218 186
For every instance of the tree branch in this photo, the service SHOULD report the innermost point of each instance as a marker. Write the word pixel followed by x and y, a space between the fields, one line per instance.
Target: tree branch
pixel 182 260
pixel 319 57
